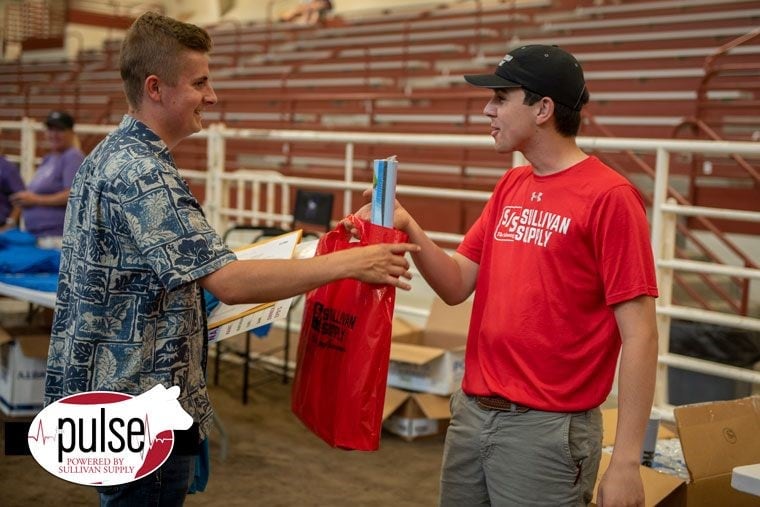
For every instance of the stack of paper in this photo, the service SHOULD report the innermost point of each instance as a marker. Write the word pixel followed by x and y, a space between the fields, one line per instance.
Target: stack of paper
pixel 230 320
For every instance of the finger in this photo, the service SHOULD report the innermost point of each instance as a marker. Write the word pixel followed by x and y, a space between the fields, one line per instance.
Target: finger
pixel 367 193
pixel 402 284
pixel 398 271
pixel 398 264
pixel 398 283
pixel 402 248
pixel 364 212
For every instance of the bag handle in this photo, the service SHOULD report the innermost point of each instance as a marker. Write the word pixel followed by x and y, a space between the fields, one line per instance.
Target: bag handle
pixel 370 234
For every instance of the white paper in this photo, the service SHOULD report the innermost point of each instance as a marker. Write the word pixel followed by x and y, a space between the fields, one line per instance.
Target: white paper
pixel 230 320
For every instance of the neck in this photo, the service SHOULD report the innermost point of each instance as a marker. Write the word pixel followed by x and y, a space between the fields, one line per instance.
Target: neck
pixel 61 149
pixel 155 125
pixel 554 155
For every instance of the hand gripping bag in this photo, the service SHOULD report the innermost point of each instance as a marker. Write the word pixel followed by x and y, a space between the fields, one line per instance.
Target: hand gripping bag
pixel 344 349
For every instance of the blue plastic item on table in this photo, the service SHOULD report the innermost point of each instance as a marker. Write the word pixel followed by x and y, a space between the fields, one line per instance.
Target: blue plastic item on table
pixel 16 237
pixel 29 259
pixel 46 282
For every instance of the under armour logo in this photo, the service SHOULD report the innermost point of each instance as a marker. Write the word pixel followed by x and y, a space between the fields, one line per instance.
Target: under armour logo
pixel 536 196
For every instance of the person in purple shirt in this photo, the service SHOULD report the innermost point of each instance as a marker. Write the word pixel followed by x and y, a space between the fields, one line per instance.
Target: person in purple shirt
pixel 43 203
pixel 10 183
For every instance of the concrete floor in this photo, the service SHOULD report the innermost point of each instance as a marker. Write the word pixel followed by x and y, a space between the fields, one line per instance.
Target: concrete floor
pixel 272 461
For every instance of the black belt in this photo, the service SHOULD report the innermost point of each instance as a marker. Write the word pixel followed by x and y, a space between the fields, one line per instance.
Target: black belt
pixel 499 403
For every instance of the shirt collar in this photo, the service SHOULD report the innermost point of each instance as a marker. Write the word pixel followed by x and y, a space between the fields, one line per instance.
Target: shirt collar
pixel 140 131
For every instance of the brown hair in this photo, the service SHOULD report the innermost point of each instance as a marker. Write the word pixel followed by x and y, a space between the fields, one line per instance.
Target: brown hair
pixel 152 46
pixel 567 120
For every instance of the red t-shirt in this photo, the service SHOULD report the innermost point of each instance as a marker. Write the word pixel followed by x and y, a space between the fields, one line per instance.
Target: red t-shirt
pixel 555 253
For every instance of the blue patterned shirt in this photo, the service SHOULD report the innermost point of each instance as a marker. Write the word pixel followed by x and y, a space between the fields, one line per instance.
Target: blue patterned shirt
pixel 129 312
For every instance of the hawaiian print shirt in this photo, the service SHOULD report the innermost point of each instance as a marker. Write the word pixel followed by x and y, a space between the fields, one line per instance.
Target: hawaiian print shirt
pixel 129 313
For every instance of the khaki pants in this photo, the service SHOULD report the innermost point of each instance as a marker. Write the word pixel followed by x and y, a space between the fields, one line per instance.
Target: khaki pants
pixel 533 458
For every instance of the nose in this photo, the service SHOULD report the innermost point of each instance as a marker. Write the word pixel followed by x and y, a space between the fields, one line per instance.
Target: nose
pixel 210 97
pixel 490 109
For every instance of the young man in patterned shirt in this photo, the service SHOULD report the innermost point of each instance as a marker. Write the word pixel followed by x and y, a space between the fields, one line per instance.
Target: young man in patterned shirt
pixel 137 250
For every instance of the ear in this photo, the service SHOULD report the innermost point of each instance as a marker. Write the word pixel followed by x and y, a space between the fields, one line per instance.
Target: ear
pixel 152 88
pixel 545 110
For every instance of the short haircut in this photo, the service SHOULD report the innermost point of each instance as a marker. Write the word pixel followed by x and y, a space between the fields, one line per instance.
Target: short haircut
pixel 152 46
pixel 567 121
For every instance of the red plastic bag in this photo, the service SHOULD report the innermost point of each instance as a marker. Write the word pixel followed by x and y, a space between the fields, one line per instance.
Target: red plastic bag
pixel 344 349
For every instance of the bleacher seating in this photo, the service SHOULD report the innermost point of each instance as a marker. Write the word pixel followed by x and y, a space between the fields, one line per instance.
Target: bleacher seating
pixel 399 70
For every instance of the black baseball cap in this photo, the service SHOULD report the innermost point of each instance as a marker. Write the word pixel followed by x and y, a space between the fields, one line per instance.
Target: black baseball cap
pixel 546 70
pixel 59 120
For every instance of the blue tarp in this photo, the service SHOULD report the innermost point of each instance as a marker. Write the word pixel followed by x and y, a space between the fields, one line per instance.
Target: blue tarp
pixel 29 259
pixel 46 282
pixel 16 237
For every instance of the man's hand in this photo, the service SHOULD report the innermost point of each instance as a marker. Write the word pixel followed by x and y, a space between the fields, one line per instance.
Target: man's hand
pixel 24 198
pixel 621 486
pixel 382 264
pixel 401 217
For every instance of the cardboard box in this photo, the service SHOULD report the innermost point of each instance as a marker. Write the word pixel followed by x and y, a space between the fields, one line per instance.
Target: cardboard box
pixel 404 331
pixel 413 415
pixel 23 362
pixel 609 424
pixel 432 361
pixel 715 438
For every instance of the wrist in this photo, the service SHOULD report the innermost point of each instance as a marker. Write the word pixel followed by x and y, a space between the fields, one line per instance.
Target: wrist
pixel 625 460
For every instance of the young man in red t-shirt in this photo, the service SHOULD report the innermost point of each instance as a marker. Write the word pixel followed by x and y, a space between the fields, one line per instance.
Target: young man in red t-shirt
pixel 562 269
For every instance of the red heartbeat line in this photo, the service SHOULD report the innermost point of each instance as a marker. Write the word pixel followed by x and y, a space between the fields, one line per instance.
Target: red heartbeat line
pixel 41 431
pixel 41 434
pixel 151 441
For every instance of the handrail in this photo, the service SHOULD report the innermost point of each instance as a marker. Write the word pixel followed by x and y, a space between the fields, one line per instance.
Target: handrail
pixel 221 184
pixel 712 68
pixel 704 221
pixel 711 59
pixel 704 128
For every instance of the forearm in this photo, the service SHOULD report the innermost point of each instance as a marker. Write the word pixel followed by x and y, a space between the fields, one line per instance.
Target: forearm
pixel 56 199
pixel 635 394
pixel 261 281
pixel 438 268
pixel 258 281
pixel 14 216
pixel 636 380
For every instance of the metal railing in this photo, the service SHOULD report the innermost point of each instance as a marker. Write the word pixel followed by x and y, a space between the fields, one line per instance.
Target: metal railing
pixel 264 197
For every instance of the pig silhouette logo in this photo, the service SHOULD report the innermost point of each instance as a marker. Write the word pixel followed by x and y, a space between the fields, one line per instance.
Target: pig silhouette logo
pixel 103 438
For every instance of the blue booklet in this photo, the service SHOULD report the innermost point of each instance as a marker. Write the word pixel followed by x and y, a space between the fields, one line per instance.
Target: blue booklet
pixel 384 191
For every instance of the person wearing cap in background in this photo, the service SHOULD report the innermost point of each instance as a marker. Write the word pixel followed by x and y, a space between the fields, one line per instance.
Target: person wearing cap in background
pixel 561 266
pixel 43 203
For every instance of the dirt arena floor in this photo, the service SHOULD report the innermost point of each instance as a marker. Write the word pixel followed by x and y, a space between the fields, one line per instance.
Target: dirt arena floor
pixel 272 460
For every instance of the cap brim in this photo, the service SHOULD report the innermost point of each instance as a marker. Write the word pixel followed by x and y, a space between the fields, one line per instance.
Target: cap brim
pixel 490 81
pixel 56 125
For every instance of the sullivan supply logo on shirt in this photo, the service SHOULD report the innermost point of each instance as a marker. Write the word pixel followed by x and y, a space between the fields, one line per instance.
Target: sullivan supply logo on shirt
pixel 527 225
pixel 102 438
